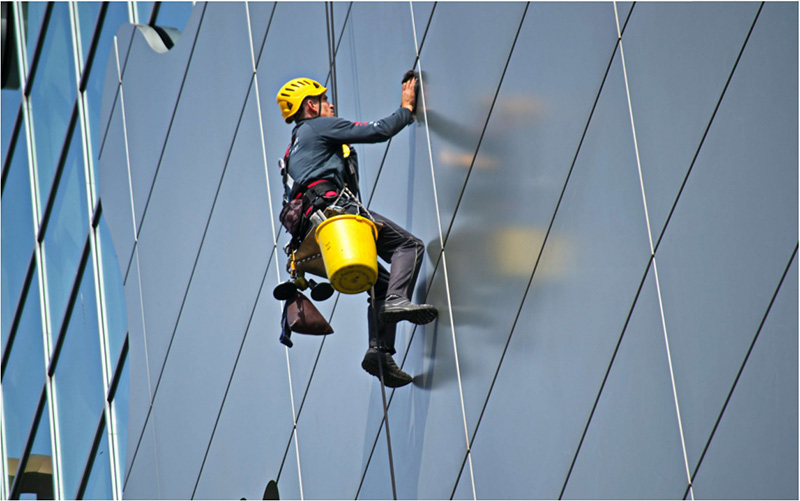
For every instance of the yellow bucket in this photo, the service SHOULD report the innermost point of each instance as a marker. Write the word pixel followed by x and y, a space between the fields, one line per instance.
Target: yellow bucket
pixel 348 250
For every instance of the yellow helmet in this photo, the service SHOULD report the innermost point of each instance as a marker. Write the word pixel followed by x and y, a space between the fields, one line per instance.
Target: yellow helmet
pixel 291 95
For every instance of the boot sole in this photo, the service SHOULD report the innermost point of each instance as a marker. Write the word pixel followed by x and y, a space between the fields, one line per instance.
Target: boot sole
pixel 371 366
pixel 419 316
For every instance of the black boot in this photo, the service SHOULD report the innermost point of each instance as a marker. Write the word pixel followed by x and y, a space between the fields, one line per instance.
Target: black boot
pixel 398 308
pixel 393 376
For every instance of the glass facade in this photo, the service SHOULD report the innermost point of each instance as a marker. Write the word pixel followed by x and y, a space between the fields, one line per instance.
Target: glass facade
pixel 64 410
pixel 607 192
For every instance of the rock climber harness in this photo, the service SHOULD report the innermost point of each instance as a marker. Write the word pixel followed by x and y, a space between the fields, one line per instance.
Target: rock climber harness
pixel 299 202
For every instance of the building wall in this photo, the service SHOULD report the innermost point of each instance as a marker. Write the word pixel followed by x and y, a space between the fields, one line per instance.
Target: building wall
pixel 608 196
pixel 63 411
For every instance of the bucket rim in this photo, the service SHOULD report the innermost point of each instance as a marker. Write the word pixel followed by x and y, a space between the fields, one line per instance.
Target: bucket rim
pixel 340 217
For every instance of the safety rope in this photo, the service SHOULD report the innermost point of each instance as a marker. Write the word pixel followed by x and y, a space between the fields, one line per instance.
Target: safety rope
pixel 385 406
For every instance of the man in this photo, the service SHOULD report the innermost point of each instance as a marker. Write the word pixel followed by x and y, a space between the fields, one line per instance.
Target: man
pixel 320 165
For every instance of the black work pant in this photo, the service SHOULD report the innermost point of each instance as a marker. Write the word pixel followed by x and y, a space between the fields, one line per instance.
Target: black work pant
pixel 405 253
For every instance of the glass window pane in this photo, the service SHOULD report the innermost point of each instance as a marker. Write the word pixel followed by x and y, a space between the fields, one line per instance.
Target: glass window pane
pixel 120 408
pixel 66 235
pixel 79 384
pixel 33 14
pixel 116 313
pixel 23 378
pixel 37 482
pixel 87 19
pixel 53 97
pixel 17 235
pixel 116 16
pixel 174 14
pixel 99 483
pixel 144 9
pixel 10 110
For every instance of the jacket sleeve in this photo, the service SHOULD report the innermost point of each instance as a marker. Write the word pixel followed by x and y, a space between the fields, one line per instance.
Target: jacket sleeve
pixel 344 131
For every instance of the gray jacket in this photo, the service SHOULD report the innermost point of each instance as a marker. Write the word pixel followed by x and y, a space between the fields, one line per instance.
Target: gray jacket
pixel 316 149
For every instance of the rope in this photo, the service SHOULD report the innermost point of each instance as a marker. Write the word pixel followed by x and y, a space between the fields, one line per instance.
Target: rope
pixel 383 398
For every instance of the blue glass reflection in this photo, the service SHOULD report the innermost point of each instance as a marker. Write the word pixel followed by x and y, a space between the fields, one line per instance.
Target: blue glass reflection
pixel 10 101
pixel 116 16
pixel 66 234
pixel 23 378
pixel 53 97
pixel 143 10
pixel 99 484
pixel 176 14
pixel 16 242
pixel 87 19
pixel 116 313
pixel 120 408
pixel 33 13
pixel 40 459
pixel 79 384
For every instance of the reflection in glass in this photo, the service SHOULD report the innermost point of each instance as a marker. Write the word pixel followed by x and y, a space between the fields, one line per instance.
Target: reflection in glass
pixel 116 15
pixel 144 9
pixel 734 226
pixel 675 83
pixel 79 384
pixel 120 409
pixel 115 310
pixel 52 97
pixel 17 235
pixel 33 14
pixel 23 378
pixel 87 19
pixel 37 480
pixel 174 14
pixel 10 110
pixel 99 484
pixel 65 235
